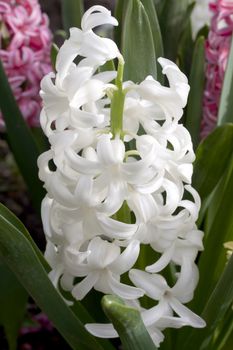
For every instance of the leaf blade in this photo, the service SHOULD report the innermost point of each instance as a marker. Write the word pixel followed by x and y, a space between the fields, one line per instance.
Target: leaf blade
pixel 137 39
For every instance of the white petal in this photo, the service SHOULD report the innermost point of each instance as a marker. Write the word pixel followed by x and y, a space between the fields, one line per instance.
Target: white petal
pixel 96 16
pixel 82 288
pixel 153 285
pixel 102 330
pixel 127 259
pixel 102 254
pixel 124 291
pixel 189 317
pixel 116 229
pixel 163 261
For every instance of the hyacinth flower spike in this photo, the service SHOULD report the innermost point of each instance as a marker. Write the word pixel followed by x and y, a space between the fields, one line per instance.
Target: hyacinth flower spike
pixel 112 190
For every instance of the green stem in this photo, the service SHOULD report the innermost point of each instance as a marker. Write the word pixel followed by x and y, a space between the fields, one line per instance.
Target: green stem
pixel 117 104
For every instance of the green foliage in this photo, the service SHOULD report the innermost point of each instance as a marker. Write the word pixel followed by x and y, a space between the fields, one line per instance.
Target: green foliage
pixel 196 81
pixel 128 323
pixel 13 300
pixel 212 157
pixel 173 20
pixel 138 44
pixel 72 11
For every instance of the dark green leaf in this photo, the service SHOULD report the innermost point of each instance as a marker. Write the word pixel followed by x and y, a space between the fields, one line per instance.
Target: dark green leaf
pixel 120 10
pixel 218 231
pixel 13 300
pixel 138 45
pixel 156 33
pixel 11 218
pixel 173 20
pixel 195 100
pixel 21 141
pixel 72 11
pixel 225 114
pixel 212 158
pixel 128 323
pixel 18 254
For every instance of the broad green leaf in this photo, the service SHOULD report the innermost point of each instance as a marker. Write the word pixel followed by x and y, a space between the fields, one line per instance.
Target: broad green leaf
pixel 72 11
pixel 137 44
pixel 128 323
pixel 21 141
pixel 156 33
pixel 185 50
pixel 215 309
pixel 159 4
pixel 213 258
pixel 212 157
pixel 225 114
pixel 120 10
pixel 224 333
pixel 19 255
pixel 14 221
pixel 195 100
pixel 13 300
pixel 173 20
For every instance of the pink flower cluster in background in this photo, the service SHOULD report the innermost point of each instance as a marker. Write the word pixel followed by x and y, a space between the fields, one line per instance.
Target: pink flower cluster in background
pixel 25 42
pixel 217 52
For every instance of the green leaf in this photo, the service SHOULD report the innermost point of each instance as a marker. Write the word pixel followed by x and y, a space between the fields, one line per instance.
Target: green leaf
pixel 128 323
pixel 214 311
pixel 18 254
pixel 11 218
pixel 212 158
pixel 225 114
pixel 219 231
pixel 72 11
pixel 21 141
pixel 156 33
pixel 195 100
pixel 13 300
pixel 137 44
pixel 173 20
pixel 120 10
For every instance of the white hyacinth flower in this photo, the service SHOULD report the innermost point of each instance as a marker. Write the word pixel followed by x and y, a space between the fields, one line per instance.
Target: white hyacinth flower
pixel 110 190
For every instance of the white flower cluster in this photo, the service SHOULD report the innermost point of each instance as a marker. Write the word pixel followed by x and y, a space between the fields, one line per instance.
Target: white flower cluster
pixel 98 173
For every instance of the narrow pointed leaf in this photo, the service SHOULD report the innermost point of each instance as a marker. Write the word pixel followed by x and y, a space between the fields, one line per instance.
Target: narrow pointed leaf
pixel 195 100
pixel 18 254
pixel 225 114
pixel 213 258
pixel 13 300
pixel 173 20
pixel 120 10
pixel 14 221
pixel 138 45
pixel 214 311
pixel 212 157
pixel 156 33
pixel 128 323
pixel 72 11
pixel 21 141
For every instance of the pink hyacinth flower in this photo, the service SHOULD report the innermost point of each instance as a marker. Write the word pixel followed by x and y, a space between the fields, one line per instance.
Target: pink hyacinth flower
pixel 25 42
pixel 217 52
